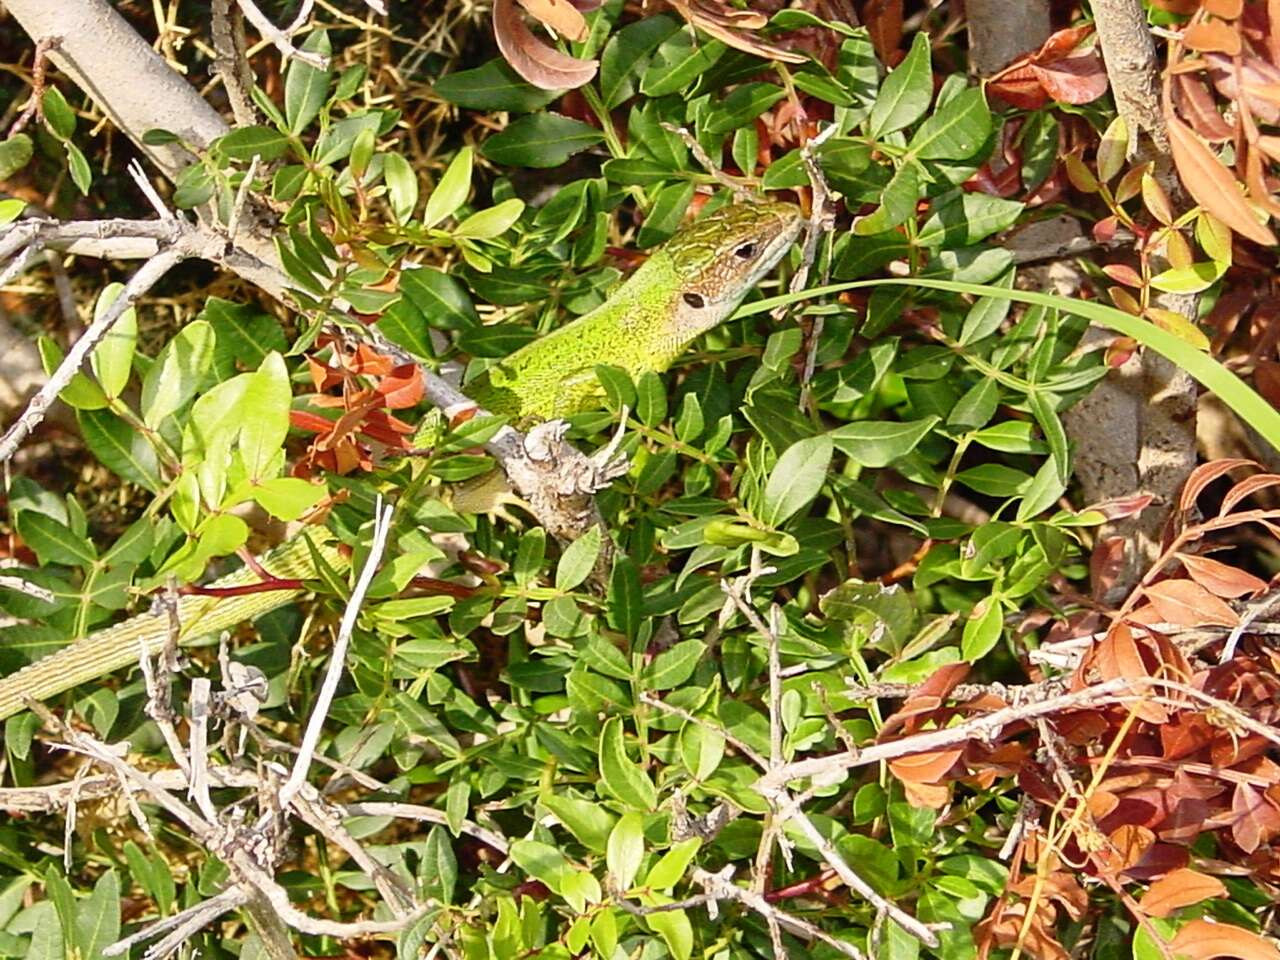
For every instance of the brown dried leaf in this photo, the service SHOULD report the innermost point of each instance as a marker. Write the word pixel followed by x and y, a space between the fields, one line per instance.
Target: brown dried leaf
pixel 1247 488
pixel 925 767
pixel 1117 656
pixel 1200 109
pixel 1128 843
pixel 1212 185
pixel 560 15
pixel 1179 889
pixel 1188 604
pixel 1212 36
pixel 1227 9
pixel 1220 579
pixel 731 27
pixel 1256 818
pixel 1202 939
pixel 1204 475
pixel 540 64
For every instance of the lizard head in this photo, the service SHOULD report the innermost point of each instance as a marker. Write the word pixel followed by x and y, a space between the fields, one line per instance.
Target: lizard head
pixel 719 259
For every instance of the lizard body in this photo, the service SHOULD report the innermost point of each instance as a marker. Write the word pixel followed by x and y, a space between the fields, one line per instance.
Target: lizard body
pixel 690 285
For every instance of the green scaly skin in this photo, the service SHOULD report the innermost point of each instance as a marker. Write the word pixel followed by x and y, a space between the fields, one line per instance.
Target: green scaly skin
pixel 690 285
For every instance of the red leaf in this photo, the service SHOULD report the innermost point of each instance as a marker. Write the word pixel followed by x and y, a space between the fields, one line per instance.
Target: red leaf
pixel 1078 79
pixel 311 422
pixel 1188 604
pixel 1123 273
pixel 402 387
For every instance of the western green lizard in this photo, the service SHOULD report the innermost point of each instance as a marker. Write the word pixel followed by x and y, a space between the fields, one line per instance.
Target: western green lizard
pixel 688 286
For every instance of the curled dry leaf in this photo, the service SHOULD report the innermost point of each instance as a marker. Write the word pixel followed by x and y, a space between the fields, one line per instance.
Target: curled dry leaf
pixel 1204 475
pixel 732 28
pixel 1220 579
pixel 1202 940
pixel 1247 488
pixel 1188 604
pixel 1179 889
pixel 1197 105
pixel 560 15
pixel 540 64
pixel 1212 185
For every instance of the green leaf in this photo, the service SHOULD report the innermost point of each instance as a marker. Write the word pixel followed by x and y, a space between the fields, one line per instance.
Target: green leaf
pixel 305 86
pixel 796 479
pixel 1191 279
pixel 625 850
pixel 651 399
pixel 246 143
pixel 57 113
pixel 97 923
pixel 452 190
pixel 678 62
pixel 438 871
pixel 542 862
pixel 540 140
pixel 591 823
pixel 906 92
pixel 956 131
pixel 262 434
pixel 112 359
pixel 1043 492
pixel 121 448
pixel 965 219
pixel 15 153
pixel 625 597
pixel 701 749
pixel 673 667
pixel 287 498
pixel 621 777
pixel 977 406
pixel 490 223
pixel 985 316
pixel 54 542
pixel 81 393
pixel 982 629
pixel 402 186
pixel 626 53
pixel 493 86
pixel 668 871
pixel 578 560
pixel 674 928
pixel 740 107
pixel 873 443
pixel 177 373
pixel 897 203
pixel 442 301
pixel 1220 381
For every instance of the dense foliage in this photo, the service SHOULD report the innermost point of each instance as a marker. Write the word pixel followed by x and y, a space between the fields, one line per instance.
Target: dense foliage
pixel 849 518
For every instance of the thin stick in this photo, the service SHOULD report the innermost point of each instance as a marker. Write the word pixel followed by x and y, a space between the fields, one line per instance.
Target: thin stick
pixel 337 658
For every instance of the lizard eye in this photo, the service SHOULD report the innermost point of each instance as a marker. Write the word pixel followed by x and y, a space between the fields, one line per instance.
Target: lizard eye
pixel 746 251
pixel 695 300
